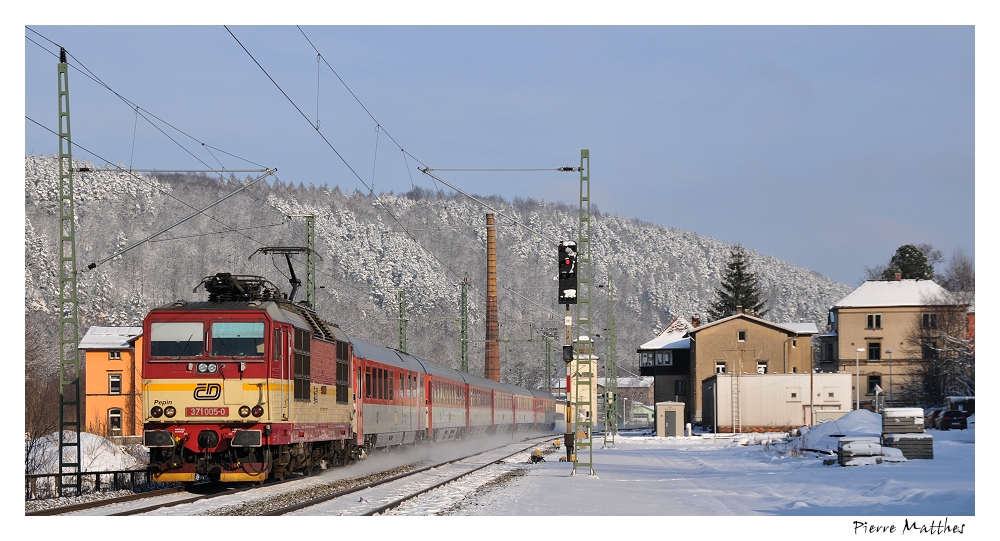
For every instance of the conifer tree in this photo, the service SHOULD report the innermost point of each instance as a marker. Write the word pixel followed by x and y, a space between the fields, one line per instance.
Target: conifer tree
pixel 739 288
pixel 910 262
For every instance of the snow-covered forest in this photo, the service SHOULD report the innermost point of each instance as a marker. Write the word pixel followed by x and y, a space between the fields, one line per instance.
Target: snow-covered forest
pixel 422 242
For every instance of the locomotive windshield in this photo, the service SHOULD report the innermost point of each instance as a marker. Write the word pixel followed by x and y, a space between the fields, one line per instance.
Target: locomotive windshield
pixel 237 339
pixel 176 339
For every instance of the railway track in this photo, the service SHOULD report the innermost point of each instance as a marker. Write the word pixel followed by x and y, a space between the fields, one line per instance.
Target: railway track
pixel 379 497
pixel 386 489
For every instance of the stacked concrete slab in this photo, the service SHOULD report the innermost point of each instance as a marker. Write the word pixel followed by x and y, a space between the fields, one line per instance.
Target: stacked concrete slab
pixel 903 429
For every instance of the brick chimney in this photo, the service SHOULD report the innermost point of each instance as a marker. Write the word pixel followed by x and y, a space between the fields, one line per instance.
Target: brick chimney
pixel 739 308
pixel 899 276
pixel 695 321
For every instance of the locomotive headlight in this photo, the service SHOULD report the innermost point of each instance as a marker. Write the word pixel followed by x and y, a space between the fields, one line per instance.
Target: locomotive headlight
pixel 244 411
pixel 169 411
pixel 207 368
pixel 156 411
pixel 258 410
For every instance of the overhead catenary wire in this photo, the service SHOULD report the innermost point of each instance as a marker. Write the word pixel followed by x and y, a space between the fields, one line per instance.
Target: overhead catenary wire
pixel 179 222
pixel 139 179
pixel 149 118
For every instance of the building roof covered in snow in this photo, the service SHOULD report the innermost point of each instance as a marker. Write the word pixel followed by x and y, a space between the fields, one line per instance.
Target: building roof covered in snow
pixel 109 337
pixel 672 337
pixel 876 293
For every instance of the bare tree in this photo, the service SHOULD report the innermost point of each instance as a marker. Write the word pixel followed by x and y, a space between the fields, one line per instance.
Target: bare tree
pixel 940 337
pixel 959 277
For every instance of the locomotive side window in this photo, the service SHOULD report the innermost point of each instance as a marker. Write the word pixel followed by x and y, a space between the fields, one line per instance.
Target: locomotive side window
pixel 277 345
pixel 343 372
pixel 176 339
pixel 238 339
pixel 302 366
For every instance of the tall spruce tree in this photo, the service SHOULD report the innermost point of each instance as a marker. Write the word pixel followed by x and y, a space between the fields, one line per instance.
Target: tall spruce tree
pixel 739 288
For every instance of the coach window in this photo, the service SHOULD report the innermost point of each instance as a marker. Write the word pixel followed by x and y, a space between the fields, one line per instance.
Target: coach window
pixel 391 379
pixel 114 384
pixel 176 339
pixel 368 382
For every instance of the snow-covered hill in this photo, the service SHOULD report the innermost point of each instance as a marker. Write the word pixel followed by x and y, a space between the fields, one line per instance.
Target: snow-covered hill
pixel 422 242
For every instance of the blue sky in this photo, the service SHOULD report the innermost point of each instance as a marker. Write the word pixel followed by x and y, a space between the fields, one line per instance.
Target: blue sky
pixel 825 146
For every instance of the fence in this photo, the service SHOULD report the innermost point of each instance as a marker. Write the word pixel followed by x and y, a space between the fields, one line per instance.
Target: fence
pixel 44 485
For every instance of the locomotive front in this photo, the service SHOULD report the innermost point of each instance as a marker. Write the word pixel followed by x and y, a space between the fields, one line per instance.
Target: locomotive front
pixel 206 388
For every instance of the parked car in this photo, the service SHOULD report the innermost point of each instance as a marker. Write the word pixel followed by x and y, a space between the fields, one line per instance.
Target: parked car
pixel 930 417
pixel 953 419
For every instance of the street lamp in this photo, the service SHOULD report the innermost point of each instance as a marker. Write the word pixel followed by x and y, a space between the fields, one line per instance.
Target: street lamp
pixel 857 378
pixel 889 353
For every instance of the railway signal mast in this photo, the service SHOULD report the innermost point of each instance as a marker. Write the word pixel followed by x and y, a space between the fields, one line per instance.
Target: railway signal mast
pixel 567 295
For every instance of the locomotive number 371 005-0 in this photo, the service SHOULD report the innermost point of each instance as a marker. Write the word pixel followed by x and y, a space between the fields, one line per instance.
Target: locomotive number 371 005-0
pixel 200 411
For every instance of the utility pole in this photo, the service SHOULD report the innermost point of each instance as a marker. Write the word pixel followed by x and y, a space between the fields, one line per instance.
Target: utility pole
pixel 611 374
pixel 465 326
pixel 69 331
pixel 310 257
pixel 401 299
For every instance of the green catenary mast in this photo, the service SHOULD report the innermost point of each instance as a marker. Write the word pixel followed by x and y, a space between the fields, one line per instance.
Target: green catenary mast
pixel 69 333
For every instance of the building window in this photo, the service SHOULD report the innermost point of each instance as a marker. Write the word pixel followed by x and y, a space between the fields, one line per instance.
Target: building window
pixel 929 321
pixel 720 367
pixel 115 355
pixel 872 382
pixel 795 343
pixel 114 421
pixel 679 387
pixel 828 352
pixel 114 384
pixel 874 351
pixel 646 358
pixel 874 321
pixel 741 336
pixel 664 358
pixel 930 350
pixel 761 367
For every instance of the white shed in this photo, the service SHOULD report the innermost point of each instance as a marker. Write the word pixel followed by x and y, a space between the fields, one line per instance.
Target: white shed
pixel 771 402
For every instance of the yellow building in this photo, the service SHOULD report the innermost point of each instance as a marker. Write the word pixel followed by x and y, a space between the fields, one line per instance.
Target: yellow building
pixel 112 381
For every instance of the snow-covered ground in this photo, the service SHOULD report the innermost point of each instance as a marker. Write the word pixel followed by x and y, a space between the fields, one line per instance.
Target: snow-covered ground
pixel 737 477
pixel 746 475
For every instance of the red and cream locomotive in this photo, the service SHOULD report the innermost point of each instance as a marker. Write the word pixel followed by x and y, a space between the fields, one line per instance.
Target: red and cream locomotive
pixel 249 386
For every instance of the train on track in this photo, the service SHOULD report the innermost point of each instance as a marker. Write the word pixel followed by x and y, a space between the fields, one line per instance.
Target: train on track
pixel 249 386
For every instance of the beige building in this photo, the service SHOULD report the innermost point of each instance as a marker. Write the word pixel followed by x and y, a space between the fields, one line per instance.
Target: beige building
pixel 684 355
pixel 744 344
pixel 870 334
